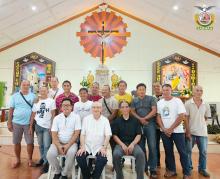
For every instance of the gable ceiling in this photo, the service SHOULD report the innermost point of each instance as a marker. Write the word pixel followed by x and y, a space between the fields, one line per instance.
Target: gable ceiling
pixel 22 18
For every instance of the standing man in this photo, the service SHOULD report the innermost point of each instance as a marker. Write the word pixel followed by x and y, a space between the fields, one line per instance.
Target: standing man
pixel 127 134
pixel 144 109
pixel 83 107
pixel 67 94
pixel 42 115
pixel 157 90
pixel 94 140
pixel 109 104
pixel 54 91
pixel 171 112
pixel 197 112
pixel 65 132
pixel 122 94
pixel 94 96
pixel 19 121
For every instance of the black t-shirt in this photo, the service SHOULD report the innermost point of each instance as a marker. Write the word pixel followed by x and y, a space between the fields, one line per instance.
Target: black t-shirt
pixel 126 130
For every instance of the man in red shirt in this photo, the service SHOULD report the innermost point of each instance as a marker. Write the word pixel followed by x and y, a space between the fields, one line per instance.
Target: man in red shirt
pixel 94 96
pixel 66 94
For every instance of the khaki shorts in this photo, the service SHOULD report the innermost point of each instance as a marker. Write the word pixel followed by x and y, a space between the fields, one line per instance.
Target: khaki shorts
pixel 18 131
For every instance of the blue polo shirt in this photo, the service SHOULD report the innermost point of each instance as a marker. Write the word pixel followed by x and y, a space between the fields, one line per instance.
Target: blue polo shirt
pixel 22 111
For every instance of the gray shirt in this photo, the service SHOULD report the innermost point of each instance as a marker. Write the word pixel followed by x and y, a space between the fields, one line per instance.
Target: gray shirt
pixel 143 106
pixel 111 103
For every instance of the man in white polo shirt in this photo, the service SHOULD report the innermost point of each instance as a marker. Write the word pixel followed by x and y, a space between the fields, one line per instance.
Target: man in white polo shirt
pixel 65 132
pixel 197 112
pixel 94 139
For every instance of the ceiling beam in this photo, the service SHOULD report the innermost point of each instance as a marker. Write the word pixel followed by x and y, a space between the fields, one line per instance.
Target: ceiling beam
pixel 121 12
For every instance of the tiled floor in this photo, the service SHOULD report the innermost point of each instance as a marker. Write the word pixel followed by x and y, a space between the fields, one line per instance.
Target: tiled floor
pixel 25 172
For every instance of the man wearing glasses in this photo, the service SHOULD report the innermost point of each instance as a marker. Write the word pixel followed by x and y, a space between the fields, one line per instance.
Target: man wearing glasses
pixel 65 132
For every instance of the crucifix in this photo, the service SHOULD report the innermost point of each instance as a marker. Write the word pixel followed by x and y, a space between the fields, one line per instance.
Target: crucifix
pixel 102 35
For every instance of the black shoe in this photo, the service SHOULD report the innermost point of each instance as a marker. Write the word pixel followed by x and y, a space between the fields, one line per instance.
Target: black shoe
pixel 38 163
pixel 204 173
pixel 146 172
pixel 153 174
pixel 63 177
pixel 57 176
pixel 45 168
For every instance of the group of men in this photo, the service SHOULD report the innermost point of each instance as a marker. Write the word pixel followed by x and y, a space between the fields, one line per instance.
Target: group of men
pixel 77 127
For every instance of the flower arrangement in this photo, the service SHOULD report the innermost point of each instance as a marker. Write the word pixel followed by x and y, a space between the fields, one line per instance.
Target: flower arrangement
pixel 84 83
pixel 186 92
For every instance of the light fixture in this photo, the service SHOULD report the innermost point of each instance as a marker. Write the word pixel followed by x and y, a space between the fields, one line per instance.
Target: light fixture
pixel 175 7
pixel 33 8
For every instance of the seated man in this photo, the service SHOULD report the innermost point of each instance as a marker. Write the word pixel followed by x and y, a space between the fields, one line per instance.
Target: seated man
pixel 127 133
pixel 65 131
pixel 94 139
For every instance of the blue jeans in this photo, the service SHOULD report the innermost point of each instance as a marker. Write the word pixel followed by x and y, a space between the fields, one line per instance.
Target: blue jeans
pixel 179 140
pixel 149 133
pixel 202 143
pixel 44 141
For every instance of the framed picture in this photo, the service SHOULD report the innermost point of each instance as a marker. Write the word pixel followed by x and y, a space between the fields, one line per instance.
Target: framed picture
pixel 35 68
pixel 178 71
pixel 213 109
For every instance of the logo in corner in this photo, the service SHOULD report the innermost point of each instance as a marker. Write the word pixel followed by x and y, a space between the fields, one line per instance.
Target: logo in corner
pixel 204 19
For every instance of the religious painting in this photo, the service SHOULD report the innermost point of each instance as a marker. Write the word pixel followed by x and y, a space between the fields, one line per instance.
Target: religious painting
pixel 35 68
pixel 178 71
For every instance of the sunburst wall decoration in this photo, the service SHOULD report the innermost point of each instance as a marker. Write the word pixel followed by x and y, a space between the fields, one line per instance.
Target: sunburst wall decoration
pixel 103 34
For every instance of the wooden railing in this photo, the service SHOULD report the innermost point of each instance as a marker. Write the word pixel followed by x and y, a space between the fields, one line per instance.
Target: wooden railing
pixel 3 114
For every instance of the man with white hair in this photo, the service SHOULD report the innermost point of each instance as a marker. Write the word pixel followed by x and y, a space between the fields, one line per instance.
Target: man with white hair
pixel 94 139
pixel 54 91
pixel 198 112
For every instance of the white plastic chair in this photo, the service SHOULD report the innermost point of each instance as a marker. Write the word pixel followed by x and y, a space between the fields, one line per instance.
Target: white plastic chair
pixel 130 157
pixel 87 160
pixel 59 157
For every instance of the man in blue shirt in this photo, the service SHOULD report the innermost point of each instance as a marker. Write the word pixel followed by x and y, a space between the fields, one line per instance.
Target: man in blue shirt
pixel 19 121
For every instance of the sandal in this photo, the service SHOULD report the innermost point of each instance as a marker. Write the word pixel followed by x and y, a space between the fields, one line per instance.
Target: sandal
pixel 170 174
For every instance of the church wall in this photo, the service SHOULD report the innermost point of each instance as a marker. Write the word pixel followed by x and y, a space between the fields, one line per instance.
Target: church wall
pixel 134 64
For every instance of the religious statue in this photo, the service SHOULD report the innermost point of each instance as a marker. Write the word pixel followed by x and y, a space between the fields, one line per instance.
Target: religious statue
pixel 115 79
pixel 90 79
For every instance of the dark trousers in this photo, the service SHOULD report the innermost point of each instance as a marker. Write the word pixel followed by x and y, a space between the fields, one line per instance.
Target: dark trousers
pixel 158 135
pixel 139 161
pixel 143 147
pixel 100 163
pixel 179 140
